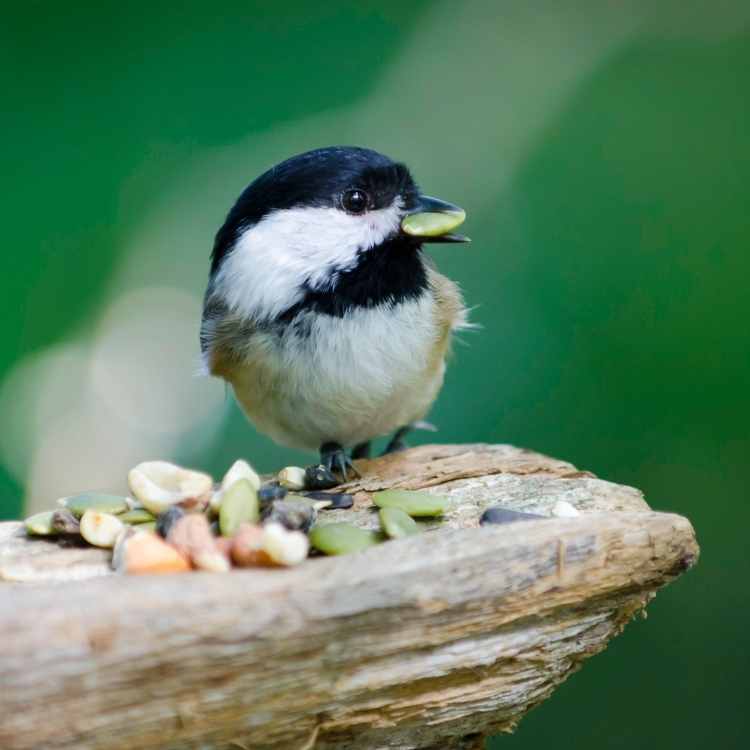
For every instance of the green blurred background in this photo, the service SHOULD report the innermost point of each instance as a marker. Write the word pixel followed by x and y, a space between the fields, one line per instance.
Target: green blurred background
pixel 602 152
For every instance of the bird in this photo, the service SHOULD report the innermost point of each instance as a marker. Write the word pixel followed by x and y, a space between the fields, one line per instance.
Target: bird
pixel 323 312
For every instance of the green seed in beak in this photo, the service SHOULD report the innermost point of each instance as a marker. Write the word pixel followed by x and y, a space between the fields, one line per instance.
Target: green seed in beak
pixel 430 224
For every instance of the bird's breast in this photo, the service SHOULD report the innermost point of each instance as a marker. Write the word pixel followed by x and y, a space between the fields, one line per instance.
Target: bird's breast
pixel 342 378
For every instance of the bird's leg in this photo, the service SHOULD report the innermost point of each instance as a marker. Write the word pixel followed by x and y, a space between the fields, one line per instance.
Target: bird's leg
pixel 334 458
pixel 361 451
pixel 397 442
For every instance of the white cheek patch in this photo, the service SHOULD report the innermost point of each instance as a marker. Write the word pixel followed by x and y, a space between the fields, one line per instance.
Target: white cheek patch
pixel 264 273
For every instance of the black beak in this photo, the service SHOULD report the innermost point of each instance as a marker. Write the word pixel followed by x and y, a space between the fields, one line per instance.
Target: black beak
pixel 433 220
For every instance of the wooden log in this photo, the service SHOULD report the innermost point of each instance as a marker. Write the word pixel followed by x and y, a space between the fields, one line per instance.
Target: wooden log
pixel 434 641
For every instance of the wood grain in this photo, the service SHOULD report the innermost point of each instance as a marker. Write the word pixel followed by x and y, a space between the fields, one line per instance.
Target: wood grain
pixel 429 642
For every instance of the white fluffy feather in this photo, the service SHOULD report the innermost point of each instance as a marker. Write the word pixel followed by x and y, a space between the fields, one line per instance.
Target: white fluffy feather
pixel 352 378
pixel 264 273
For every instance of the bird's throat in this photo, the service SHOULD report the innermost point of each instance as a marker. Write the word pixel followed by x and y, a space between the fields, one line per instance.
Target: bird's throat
pixel 392 272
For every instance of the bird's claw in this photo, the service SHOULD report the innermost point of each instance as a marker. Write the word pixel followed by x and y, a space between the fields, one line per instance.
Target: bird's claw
pixel 336 460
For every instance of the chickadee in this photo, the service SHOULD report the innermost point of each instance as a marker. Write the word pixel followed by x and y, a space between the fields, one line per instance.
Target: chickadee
pixel 322 312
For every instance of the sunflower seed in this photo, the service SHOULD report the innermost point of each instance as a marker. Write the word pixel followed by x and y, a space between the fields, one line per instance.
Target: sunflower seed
pixel 165 520
pixel 416 504
pixel 100 529
pixel 342 538
pixel 271 491
pixel 319 478
pixel 338 500
pixel 498 515
pixel 64 522
pixel 239 505
pixel 396 523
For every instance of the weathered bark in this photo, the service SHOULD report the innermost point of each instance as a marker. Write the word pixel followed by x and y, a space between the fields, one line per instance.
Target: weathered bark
pixel 429 642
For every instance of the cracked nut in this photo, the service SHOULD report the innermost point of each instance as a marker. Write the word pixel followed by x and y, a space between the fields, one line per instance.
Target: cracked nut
pixel 160 484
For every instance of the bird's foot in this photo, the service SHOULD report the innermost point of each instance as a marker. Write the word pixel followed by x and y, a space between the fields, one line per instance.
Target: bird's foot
pixel 397 442
pixel 335 459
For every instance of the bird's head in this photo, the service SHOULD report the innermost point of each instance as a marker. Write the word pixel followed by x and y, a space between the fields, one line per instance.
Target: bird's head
pixel 333 227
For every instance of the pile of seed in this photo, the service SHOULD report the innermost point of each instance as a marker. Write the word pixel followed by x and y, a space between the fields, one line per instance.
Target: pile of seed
pixel 177 519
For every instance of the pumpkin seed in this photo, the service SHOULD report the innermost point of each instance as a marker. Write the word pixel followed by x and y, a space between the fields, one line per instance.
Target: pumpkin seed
pixel 240 469
pixel 40 524
pixel 137 516
pixel 239 505
pixel 416 504
pixel 147 526
pixel 397 524
pixel 112 504
pixel 499 515
pixel 342 538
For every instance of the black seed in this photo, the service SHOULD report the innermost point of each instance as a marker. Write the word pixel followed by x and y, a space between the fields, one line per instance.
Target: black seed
pixel 319 478
pixel 498 515
pixel 339 500
pixel 270 492
pixel 342 501
pixel 295 515
pixel 167 519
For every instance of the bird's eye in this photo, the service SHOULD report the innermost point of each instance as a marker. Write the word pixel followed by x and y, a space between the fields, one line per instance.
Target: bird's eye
pixel 355 201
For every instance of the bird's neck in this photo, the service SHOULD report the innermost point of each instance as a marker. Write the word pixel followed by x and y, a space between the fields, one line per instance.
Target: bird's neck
pixel 391 273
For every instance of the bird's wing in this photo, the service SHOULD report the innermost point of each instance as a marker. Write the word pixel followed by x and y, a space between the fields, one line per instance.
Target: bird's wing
pixel 224 337
pixel 450 310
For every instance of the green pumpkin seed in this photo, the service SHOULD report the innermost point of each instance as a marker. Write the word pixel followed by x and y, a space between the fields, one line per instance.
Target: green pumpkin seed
pixel 342 538
pixel 238 505
pixel 416 504
pixel 137 516
pixel 147 526
pixel 397 524
pixel 432 224
pixel 112 504
pixel 40 524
